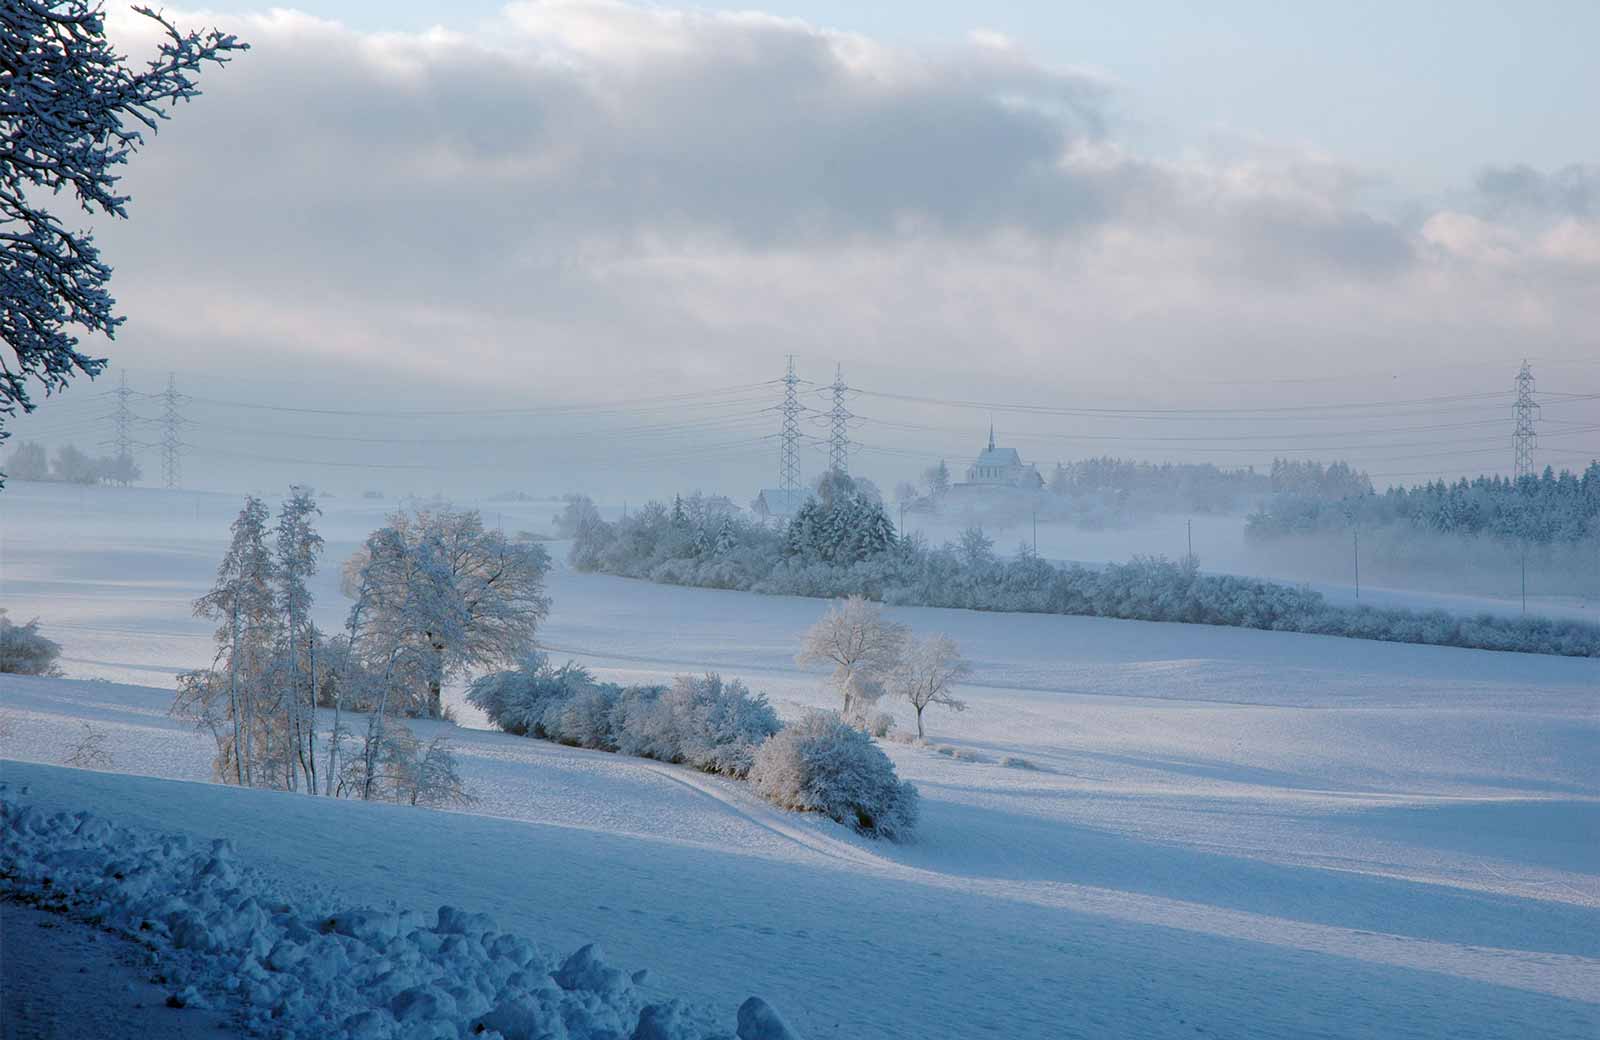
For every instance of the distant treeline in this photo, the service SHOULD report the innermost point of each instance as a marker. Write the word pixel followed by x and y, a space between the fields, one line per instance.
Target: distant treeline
pixel 843 544
pixel 1547 509
pixel 1110 492
pixel 30 461
pixel 1203 486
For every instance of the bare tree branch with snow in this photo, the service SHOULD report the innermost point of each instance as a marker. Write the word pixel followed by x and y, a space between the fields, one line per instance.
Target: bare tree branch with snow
pixel 70 112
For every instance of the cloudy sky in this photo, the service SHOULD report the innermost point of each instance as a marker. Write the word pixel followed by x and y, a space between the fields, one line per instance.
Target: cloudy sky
pixel 1365 217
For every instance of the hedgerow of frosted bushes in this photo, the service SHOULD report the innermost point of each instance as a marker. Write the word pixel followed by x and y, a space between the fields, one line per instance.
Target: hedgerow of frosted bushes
pixel 674 546
pixel 718 726
pixel 700 721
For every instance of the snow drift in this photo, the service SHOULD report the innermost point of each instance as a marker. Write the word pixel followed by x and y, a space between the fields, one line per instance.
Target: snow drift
pixel 229 935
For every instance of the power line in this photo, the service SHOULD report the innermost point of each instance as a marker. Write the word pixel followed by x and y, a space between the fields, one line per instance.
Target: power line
pixel 1184 413
pixel 564 410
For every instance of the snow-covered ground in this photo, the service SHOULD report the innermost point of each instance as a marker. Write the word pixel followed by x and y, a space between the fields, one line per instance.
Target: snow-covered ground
pixel 1231 832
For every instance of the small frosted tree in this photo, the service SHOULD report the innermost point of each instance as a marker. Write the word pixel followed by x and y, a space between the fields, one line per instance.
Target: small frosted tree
pixel 862 645
pixel 937 479
pixel 928 674
pixel 66 106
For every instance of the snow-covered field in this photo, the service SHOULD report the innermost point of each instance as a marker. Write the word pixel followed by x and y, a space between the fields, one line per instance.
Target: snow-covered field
pixel 1231 833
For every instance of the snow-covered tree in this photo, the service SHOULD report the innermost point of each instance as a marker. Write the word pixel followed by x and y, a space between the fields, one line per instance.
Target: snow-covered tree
pixel 73 466
pixel 819 763
pixel 29 461
pixel 577 517
pixel 937 479
pixel 396 766
pixel 120 469
pixel 295 554
pixel 841 525
pixel 70 113
pixel 975 548
pixel 23 651
pixel 234 699
pixel 440 584
pixel 862 645
pixel 928 674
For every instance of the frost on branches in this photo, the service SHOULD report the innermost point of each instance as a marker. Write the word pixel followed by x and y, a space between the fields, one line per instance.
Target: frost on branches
pixel 70 112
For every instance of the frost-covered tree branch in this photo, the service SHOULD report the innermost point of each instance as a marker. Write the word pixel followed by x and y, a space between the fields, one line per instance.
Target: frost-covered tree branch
pixel 71 111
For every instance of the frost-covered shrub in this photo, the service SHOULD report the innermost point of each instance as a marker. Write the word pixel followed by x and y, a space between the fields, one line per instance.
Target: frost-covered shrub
pixel 583 718
pixel 1018 762
pixel 517 701
pixel 700 721
pixel 821 764
pixel 23 651
pixel 879 723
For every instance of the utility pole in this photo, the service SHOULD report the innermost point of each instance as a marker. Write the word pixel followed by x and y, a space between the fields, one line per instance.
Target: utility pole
pixel 171 440
pixel 1036 532
pixel 1527 411
pixel 1356 556
pixel 1524 578
pixel 789 455
pixel 839 426
pixel 1189 528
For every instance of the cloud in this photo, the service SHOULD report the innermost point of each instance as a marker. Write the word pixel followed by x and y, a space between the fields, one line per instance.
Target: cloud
pixel 1570 191
pixel 588 189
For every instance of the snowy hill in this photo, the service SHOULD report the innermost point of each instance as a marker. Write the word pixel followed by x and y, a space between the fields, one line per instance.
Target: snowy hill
pixel 1229 832
pixel 1133 884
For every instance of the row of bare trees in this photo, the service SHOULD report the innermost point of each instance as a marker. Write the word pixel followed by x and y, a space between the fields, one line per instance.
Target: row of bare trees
pixel 434 596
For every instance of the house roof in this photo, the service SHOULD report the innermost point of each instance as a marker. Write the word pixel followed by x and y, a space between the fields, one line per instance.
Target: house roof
pixel 993 456
pixel 784 502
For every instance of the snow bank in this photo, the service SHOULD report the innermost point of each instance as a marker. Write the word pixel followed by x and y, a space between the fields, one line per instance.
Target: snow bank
pixel 230 935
